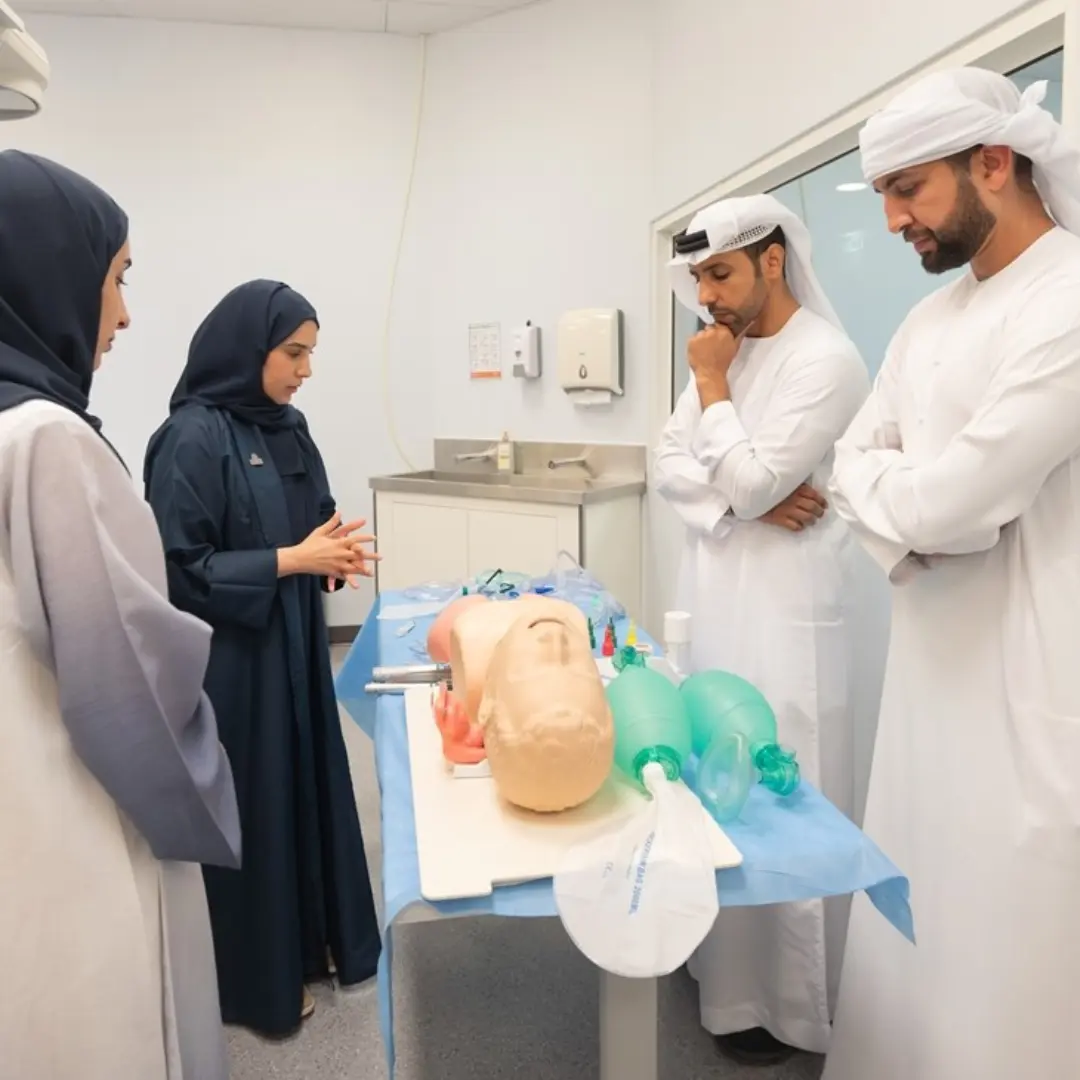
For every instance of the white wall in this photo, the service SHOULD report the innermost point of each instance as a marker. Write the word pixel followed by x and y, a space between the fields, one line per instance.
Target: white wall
pixel 536 168
pixel 734 81
pixel 243 153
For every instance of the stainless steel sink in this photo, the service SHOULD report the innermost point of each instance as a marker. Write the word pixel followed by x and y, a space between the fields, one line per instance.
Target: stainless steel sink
pixel 524 487
pixel 526 480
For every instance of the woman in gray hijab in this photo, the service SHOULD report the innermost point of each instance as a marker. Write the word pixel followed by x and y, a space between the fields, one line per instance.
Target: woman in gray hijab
pixel 113 783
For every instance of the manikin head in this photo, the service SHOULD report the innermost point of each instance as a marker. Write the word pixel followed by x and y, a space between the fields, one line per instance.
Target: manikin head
pixel 948 209
pixel 735 287
pixel 476 631
pixel 548 731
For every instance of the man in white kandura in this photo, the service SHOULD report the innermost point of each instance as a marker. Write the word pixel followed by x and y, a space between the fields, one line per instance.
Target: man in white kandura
pixel 743 460
pixel 961 476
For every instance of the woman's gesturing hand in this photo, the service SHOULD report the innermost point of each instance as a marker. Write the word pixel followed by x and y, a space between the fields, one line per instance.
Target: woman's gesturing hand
pixel 333 550
pixel 367 557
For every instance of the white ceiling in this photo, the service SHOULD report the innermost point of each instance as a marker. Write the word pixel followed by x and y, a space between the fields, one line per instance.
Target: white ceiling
pixel 373 16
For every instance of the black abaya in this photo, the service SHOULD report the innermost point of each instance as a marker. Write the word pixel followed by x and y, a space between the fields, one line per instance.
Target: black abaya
pixel 226 494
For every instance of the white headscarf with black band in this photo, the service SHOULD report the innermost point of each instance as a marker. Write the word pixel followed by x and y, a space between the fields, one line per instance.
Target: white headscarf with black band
pixel 732 224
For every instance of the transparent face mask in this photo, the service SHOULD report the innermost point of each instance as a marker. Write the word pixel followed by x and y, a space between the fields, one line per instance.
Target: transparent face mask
pixel 734 737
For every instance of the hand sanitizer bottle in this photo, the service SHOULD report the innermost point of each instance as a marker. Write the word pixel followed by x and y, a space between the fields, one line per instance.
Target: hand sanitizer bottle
pixel 504 457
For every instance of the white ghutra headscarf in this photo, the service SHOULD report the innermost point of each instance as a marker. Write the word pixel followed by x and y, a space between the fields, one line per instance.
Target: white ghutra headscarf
pixel 952 111
pixel 731 224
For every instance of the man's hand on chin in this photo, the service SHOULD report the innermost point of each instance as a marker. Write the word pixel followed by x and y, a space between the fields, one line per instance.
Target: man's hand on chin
pixel 710 354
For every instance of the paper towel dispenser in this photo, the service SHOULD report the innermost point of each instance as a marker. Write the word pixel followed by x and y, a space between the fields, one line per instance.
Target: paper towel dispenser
pixel 590 355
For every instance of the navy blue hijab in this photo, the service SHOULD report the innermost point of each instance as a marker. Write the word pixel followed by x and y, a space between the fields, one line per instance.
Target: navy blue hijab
pixel 226 358
pixel 59 234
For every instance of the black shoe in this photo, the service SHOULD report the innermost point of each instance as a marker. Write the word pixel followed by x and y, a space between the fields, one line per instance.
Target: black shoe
pixel 753 1047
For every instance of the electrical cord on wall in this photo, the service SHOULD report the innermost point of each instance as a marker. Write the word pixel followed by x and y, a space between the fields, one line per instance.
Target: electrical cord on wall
pixel 388 405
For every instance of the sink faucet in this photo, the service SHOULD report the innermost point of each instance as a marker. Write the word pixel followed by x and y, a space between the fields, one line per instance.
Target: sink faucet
pixel 483 455
pixel 561 463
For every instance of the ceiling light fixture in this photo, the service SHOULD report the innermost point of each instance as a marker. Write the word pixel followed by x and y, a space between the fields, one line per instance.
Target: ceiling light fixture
pixel 24 68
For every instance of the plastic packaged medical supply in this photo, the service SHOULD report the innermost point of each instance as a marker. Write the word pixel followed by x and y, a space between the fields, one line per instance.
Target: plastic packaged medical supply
pixel 569 581
pixel 500 584
pixel 638 899
pixel 733 734
pixel 432 592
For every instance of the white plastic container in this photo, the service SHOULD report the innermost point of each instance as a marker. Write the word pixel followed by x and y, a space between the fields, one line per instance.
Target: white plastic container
pixel 677 641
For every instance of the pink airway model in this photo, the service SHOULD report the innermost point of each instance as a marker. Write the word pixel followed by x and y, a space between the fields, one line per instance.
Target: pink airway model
pixel 462 741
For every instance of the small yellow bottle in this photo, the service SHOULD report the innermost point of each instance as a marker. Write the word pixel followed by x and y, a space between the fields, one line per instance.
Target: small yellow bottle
pixel 504 457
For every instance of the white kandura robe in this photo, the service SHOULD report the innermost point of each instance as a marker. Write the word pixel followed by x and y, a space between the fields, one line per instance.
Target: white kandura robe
pixel 106 959
pixel 967 451
pixel 774 607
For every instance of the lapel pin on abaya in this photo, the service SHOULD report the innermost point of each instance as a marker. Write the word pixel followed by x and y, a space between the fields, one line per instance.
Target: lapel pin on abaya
pixel 255 460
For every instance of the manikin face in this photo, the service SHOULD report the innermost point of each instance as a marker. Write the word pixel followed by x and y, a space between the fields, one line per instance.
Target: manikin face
pixel 114 312
pixel 735 286
pixel 947 212
pixel 549 656
pixel 547 726
pixel 289 364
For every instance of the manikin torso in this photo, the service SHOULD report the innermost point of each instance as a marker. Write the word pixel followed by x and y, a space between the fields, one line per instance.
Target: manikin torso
pixel 438 639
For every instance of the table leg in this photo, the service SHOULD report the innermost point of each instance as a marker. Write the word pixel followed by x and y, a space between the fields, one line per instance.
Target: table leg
pixel 628 1028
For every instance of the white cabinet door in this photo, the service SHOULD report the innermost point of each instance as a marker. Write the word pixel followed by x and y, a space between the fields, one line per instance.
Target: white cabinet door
pixel 420 540
pixel 611 549
pixel 439 538
pixel 521 537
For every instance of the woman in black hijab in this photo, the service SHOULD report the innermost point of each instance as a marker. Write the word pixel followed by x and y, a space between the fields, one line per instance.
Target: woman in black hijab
pixel 112 780
pixel 252 537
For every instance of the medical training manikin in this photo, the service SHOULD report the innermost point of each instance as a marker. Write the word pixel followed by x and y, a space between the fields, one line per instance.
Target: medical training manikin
pixel 527 695
pixel 476 631
pixel 547 726
pixel 438 639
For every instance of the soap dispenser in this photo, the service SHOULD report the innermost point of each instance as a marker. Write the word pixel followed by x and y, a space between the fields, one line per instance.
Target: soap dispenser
pixel 505 454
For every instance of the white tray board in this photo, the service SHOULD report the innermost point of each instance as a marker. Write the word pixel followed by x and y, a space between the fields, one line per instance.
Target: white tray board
pixel 469 840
